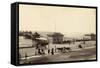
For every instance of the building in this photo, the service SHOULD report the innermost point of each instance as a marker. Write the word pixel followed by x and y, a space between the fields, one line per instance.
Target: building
pixel 92 36
pixel 57 38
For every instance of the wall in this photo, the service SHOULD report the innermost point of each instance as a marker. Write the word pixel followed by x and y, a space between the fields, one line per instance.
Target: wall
pixel 5 34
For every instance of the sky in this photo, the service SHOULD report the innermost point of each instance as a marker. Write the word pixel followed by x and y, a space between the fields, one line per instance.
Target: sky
pixel 57 19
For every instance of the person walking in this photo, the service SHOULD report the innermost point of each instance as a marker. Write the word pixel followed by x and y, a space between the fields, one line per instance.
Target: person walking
pixel 48 51
pixel 26 56
pixel 52 51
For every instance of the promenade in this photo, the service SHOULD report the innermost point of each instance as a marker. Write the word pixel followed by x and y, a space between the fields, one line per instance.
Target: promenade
pixel 88 53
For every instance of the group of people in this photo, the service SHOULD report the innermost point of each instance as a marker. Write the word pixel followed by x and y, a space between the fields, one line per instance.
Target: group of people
pixel 49 51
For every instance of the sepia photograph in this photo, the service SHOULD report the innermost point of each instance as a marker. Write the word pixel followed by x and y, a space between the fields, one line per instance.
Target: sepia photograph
pixel 49 34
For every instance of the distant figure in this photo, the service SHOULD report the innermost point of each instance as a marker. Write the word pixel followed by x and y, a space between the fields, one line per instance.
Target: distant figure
pixel 39 51
pixel 55 49
pixel 26 56
pixel 48 51
pixel 43 51
pixel 52 51
pixel 80 46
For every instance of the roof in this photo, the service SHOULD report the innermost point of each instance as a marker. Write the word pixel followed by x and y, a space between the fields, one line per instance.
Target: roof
pixel 57 34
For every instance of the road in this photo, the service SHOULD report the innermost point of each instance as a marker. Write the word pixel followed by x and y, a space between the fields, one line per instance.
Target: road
pixel 84 54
